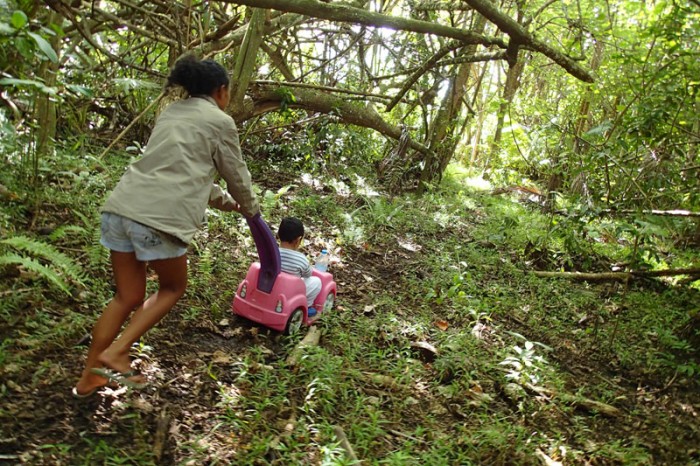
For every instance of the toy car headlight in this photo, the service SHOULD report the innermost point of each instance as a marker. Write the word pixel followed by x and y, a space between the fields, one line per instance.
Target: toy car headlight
pixel 244 290
pixel 278 308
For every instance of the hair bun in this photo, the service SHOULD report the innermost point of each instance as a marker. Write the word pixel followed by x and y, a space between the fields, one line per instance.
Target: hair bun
pixel 198 77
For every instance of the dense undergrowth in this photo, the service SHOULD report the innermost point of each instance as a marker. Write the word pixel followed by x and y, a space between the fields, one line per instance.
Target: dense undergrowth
pixel 443 349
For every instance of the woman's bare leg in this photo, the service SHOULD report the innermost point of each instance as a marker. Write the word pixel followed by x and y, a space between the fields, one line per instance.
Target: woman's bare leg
pixel 130 279
pixel 172 282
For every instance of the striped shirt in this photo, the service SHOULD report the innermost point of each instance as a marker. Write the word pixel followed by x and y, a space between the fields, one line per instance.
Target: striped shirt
pixel 295 263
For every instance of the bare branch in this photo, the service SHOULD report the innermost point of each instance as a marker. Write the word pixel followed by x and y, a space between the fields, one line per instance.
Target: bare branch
pixel 268 98
pixel 422 70
pixel 67 12
pixel 348 14
pixel 320 88
pixel 521 37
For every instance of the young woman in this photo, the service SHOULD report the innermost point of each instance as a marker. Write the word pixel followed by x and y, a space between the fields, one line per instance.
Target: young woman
pixel 155 210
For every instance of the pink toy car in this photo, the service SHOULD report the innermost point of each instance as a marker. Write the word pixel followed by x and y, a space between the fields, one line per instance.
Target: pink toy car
pixel 273 298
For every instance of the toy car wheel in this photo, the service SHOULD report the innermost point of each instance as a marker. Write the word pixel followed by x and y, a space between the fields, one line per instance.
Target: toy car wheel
pixel 295 321
pixel 330 300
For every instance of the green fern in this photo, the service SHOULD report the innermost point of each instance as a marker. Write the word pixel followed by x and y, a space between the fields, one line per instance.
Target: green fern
pixel 54 257
pixel 205 264
pixel 34 266
pixel 62 231
pixel 97 254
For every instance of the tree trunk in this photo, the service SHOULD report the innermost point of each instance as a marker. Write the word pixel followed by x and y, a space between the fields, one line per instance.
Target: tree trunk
pixel 245 61
pixel 583 123
pixel 443 140
pixel 511 87
pixel 480 104
pixel 45 106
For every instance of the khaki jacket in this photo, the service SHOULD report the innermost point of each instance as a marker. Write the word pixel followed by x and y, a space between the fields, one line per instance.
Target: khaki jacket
pixel 170 187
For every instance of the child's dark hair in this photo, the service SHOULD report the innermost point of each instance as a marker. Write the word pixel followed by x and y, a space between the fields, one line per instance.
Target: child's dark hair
pixel 198 77
pixel 290 229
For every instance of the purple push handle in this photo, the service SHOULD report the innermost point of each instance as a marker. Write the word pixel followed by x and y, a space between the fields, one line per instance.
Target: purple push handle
pixel 268 251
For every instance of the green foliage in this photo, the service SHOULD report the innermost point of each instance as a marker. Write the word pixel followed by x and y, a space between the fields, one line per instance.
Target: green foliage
pixel 271 201
pixel 59 264
pixel 15 36
pixel 524 366
pixel 450 269
pixel 634 150
pixel 286 99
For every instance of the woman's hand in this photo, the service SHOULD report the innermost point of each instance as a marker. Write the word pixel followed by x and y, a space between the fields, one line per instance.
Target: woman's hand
pixel 235 207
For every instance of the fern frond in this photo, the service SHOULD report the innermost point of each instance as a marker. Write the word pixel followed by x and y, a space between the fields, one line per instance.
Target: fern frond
pixel 34 266
pixel 84 218
pixel 62 231
pixel 48 252
pixel 205 263
pixel 97 253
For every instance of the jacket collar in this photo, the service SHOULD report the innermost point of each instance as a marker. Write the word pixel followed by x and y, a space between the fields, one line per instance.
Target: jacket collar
pixel 207 98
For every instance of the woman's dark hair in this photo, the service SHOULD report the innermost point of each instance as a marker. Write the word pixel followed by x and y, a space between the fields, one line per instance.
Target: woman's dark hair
pixel 290 229
pixel 198 77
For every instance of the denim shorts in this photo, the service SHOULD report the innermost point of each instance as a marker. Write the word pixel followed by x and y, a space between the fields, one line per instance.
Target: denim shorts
pixel 121 234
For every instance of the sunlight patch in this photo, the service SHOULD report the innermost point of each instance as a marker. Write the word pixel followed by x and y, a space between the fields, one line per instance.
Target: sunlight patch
pixel 477 183
pixel 340 187
pixel 465 177
pixel 443 219
pixel 363 188
pixel 353 232
pixel 229 394
pixel 409 245
pixel 309 179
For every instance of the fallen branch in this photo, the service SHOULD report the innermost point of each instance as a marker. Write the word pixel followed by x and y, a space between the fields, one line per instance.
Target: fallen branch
pixel 289 427
pixel 11 292
pixel 588 404
pixel 345 443
pixel 617 276
pixel 662 213
pixel 161 436
pixel 311 339
pixel 592 405
pixel 383 381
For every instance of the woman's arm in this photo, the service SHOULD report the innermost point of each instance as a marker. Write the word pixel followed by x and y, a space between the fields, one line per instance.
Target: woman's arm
pixel 220 199
pixel 232 168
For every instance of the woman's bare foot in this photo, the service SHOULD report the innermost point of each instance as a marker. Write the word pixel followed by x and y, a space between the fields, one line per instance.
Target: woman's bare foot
pixel 88 382
pixel 120 363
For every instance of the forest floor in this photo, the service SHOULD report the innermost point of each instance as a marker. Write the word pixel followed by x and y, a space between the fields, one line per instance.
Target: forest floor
pixel 440 350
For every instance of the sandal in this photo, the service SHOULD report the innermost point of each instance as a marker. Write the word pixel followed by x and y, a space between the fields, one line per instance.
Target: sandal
pixel 84 396
pixel 122 378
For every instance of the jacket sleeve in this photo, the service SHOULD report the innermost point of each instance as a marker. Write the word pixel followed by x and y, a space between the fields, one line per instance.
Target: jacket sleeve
pixel 220 199
pixel 232 168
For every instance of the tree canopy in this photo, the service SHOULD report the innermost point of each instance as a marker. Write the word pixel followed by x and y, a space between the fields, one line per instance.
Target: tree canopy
pixel 582 98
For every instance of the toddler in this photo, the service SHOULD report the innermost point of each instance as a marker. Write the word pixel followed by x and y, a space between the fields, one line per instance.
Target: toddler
pixel 290 234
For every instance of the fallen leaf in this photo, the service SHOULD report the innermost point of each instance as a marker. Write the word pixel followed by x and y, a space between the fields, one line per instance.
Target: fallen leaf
pixel 219 357
pixel 409 246
pixel 143 405
pixel 442 325
pixel 427 351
